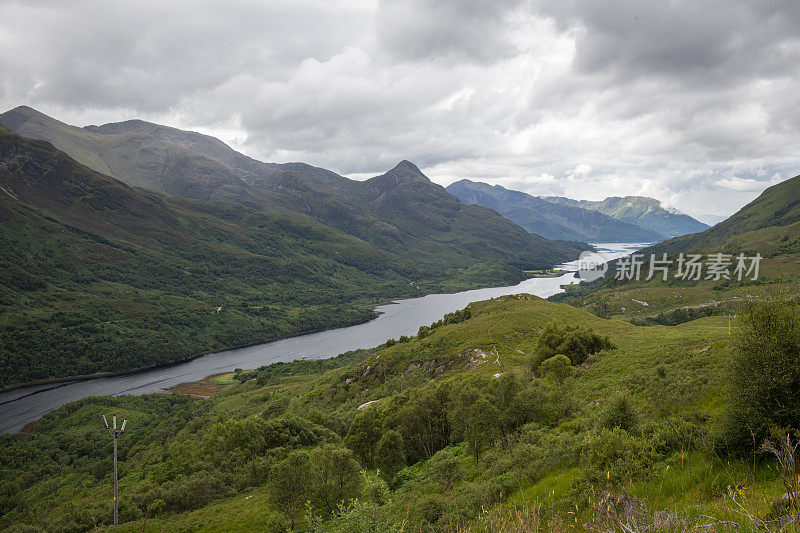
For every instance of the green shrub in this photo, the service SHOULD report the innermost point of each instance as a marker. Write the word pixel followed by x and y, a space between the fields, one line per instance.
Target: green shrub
pixel 445 469
pixel 557 368
pixel 389 455
pixel 277 523
pixel 334 477
pixel 575 342
pixel 764 372
pixel 614 457
pixel 619 412
pixel 429 508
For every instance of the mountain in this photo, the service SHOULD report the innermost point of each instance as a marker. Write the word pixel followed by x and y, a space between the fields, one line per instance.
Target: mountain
pixel 100 276
pixel 769 224
pixel 400 212
pixel 551 220
pixel 639 210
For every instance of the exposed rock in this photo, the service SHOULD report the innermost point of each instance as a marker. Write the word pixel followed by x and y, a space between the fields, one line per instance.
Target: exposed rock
pixel 367 404
pixel 412 367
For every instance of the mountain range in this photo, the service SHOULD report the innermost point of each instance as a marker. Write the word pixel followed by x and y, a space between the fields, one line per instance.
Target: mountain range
pixel 401 212
pixel 641 211
pixel 98 275
pixel 553 220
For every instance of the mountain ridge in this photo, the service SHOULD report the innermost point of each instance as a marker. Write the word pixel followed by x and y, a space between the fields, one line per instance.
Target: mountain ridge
pixel 400 211
pixel 551 220
pixel 642 211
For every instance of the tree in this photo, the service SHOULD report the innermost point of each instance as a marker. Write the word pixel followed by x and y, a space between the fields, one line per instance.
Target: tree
pixel 765 371
pixel 557 368
pixel 335 476
pixel 288 485
pixel 475 420
pixel 576 342
pixel 389 455
pixel 445 468
pixel 364 434
pixel 424 424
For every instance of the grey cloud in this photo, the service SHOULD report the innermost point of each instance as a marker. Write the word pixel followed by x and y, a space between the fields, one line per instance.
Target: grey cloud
pixel 669 99
pixel 697 41
pixel 450 30
pixel 147 55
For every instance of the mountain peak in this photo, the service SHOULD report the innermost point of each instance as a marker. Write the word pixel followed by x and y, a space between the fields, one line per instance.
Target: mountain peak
pixel 406 168
pixel 19 115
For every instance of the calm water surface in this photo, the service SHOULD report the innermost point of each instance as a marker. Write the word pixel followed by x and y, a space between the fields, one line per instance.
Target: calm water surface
pixel 21 406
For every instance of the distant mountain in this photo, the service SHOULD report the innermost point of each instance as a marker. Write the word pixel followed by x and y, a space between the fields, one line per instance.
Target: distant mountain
pixel 770 224
pixel 551 220
pixel 642 211
pixel 400 212
pixel 710 219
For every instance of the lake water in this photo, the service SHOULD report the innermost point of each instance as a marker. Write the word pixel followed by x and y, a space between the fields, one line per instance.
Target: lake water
pixel 21 406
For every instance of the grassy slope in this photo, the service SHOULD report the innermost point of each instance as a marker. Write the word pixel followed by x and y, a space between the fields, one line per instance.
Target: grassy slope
pixel 770 226
pixel 692 355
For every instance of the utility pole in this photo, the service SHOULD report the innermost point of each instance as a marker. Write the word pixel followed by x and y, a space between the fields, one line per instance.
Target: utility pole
pixel 729 317
pixel 115 433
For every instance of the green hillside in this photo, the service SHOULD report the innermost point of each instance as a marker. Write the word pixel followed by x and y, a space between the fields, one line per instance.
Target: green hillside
pixel 769 226
pixel 448 431
pixel 191 165
pixel 755 226
pixel 549 219
pixel 641 211
pixel 99 276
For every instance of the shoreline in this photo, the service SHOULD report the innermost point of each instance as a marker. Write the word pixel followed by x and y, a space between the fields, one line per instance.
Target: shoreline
pixel 114 373
pixel 166 364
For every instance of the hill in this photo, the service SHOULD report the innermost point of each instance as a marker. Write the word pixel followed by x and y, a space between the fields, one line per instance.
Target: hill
pixel 549 219
pixel 447 431
pixel 642 211
pixel 191 165
pixel 100 276
pixel 768 226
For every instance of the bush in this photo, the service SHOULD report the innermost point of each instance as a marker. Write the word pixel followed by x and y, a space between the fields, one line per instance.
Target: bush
pixel 445 469
pixel 615 457
pixel 557 368
pixel 277 523
pixel 429 508
pixel 335 476
pixel 764 372
pixel 619 412
pixel 576 342
pixel 389 455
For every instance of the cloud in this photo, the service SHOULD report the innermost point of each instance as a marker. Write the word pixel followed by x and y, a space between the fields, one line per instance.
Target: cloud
pixel 746 184
pixel 694 103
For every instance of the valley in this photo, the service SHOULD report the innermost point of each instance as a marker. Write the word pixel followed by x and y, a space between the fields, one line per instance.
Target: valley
pixel 531 404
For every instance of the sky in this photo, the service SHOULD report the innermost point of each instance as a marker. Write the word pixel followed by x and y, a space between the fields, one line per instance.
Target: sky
pixel 691 102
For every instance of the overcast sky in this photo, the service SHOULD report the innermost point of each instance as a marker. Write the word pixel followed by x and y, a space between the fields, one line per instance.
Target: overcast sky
pixel 695 103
